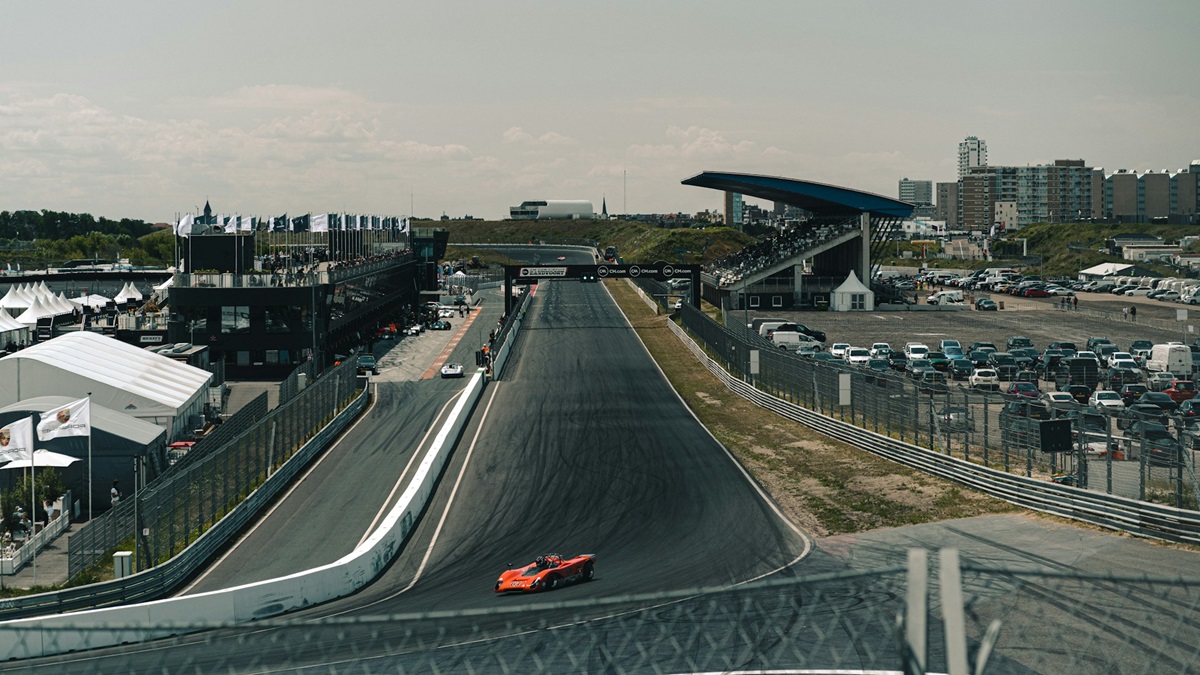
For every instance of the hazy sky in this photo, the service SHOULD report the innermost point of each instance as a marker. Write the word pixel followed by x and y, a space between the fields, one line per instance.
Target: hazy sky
pixel 144 109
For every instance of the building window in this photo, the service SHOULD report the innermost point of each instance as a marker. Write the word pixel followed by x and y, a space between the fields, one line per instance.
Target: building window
pixel 235 319
pixel 777 301
pixel 858 301
pixel 753 301
pixel 286 319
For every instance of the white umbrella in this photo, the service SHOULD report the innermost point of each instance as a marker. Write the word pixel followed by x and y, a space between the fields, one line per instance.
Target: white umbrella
pixel 42 458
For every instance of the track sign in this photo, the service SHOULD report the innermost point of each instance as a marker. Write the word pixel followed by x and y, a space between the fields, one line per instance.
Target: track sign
pixel 1055 435
pixel 542 272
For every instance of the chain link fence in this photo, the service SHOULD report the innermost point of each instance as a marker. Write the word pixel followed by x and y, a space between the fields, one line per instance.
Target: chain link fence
pixel 989 428
pixel 958 619
pixel 174 510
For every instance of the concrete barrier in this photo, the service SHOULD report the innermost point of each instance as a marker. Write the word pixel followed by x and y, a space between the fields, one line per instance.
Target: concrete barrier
pixel 44 636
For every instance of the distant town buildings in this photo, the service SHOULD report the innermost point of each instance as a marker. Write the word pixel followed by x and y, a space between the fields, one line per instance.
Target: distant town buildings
pixel 1066 191
pixel 733 210
pixel 920 193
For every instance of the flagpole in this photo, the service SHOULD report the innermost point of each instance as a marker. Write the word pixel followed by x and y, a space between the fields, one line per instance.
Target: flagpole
pixel 90 495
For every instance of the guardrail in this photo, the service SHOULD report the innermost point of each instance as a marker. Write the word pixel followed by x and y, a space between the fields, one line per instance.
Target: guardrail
pixel 1114 512
pixel 508 335
pixel 46 635
pixel 158 581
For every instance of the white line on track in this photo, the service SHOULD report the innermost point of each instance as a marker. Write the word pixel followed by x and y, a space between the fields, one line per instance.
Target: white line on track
pixel 445 512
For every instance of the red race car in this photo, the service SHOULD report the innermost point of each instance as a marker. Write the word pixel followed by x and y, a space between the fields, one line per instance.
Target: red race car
pixel 547 573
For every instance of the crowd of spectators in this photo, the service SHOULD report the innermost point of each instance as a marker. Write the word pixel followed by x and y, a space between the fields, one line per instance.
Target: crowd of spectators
pixel 773 249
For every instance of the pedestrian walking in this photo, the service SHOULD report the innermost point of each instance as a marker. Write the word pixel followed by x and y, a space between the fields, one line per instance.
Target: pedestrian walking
pixel 115 493
pixel 1124 313
pixel 1075 302
pixel 1133 314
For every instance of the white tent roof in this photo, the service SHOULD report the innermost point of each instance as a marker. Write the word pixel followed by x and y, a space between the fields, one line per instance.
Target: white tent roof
pixel 852 285
pixel 13 300
pixel 63 305
pixel 7 323
pixel 119 375
pixel 92 300
pixel 1106 269
pixel 36 311
pixel 129 292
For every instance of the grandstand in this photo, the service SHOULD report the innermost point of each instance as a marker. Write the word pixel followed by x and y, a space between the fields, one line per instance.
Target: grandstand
pixel 798 267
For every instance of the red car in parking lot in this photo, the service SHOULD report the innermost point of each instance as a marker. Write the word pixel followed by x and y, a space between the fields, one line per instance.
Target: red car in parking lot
pixel 1027 389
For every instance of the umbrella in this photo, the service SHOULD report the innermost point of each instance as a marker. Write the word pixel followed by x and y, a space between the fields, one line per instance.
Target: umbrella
pixel 43 458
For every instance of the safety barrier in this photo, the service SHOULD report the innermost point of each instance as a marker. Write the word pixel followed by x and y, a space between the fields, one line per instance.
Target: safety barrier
pixel 158 581
pixel 29 638
pixel 508 335
pixel 1111 511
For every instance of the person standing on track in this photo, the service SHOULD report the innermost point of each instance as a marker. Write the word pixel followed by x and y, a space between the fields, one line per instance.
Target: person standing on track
pixel 1133 314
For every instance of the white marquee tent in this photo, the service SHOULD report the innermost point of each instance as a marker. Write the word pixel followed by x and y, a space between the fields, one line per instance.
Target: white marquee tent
pixel 120 376
pixel 852 296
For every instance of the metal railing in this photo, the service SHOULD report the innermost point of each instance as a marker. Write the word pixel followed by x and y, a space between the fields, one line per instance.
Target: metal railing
pixel 994 450
pixel 194 494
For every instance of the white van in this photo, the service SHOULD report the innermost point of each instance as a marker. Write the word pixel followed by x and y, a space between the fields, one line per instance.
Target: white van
pixel 791 340
pixel 766 327
pixel 1172 357
pixel 945 298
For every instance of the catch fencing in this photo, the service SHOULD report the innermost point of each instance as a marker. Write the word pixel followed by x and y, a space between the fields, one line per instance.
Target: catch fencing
pixel 963 618
pixel 987 428
pixel 174 510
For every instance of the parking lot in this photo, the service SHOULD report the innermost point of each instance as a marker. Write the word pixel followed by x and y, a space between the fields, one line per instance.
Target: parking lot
pixel 1036 319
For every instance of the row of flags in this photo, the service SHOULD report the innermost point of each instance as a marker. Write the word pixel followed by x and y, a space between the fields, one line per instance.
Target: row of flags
pixel 320 222
pixel 72 419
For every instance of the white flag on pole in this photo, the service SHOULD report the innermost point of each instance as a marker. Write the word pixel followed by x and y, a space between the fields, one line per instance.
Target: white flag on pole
pixel 72 419
pixel 319 223
pixel 184 228
pixel 16 440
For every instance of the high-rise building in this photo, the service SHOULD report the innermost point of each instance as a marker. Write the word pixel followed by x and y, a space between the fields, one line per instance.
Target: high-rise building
pixel 947 205
pixel 733 210
pixel 972 152
pixel 919 193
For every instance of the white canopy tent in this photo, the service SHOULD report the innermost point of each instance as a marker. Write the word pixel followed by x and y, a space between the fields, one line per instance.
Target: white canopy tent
pixel 852 296
pixel 120 376
pixel 128 294
pixel 35 311
pixel 13 301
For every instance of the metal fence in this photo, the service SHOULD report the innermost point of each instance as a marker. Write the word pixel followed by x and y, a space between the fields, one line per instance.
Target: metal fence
pixel 174 510
pixel 987 428
pixel 961 618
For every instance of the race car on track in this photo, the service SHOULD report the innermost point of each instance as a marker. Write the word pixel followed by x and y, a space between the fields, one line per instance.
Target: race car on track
pixel 562 258
pixel 452 370
pixel 547 573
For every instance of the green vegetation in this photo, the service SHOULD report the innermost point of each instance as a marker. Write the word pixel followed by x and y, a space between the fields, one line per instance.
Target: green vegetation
pixel 637 242
pixel 1066 248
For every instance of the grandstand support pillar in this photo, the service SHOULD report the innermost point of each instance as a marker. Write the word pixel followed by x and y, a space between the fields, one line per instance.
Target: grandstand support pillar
pixel 797 283
pixel 864 272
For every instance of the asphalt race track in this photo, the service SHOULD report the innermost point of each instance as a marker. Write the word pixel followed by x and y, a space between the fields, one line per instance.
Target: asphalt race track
pixel 584 447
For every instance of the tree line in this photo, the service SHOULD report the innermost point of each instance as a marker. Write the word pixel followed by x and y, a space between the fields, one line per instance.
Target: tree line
pixel 39 238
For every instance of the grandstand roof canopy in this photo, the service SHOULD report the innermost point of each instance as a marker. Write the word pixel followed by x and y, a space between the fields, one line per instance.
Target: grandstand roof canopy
pixel 819 198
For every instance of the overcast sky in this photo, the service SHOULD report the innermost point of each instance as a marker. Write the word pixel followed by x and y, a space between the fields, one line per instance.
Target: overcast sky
pixel 145 109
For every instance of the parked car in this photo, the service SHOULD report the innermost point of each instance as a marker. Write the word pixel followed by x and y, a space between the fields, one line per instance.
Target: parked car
pixel 939 361
pixel 1106 400
pixel 1160 399
pixel 954 418
pixel 984 378
pixel 1026 389
pixel 961 369
pixel 1004 364
pixel 439 325
pixel 1029 408
pixel 838 349
pixel 1156 440
pixel 932 381
pixel 1159 380
pixel 986 305
pixel 915 350
pixel 1130 393
pixel 1018 341
pixel 1141 412
pixel 1080 392
pixel 880 349
pixel 898 361
pixel 1060 400
pixel 1181 390
pixel 1189 409
pixel 947 344
pixel 857 356
pixel 918 366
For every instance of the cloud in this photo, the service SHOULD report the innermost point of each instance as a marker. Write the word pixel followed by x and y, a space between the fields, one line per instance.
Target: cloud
pixel 692 143
pixel 519 135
